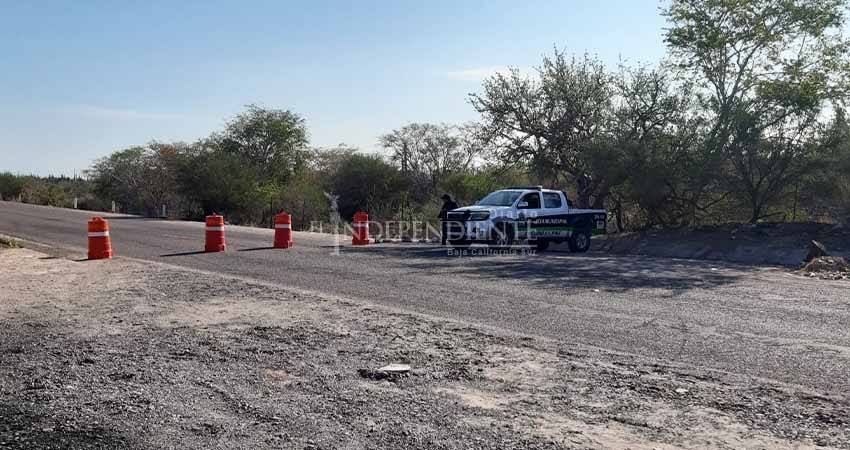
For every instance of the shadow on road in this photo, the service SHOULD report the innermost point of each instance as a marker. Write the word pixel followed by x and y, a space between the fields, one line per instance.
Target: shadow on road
pixel 168 255
pixel 564 270
pixel 256 249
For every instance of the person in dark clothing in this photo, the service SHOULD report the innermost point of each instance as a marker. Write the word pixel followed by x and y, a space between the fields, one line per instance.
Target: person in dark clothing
pixel 448 205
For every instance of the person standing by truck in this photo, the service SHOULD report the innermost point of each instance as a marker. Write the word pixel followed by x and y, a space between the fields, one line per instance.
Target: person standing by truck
pixel 448 205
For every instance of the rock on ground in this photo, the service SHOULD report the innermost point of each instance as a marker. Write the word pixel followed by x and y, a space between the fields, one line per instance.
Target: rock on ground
pixel 816 250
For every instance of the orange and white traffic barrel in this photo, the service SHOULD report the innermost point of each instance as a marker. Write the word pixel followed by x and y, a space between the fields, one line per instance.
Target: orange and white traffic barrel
pixel 361 229
pixel 100 245
pixel 282 230
pixel 215 234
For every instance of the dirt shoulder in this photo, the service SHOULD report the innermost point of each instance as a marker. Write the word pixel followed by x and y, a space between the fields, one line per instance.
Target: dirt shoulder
pixel 121 354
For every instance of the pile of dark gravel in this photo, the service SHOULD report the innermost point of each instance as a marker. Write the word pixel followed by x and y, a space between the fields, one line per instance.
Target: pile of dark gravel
pixel 828 268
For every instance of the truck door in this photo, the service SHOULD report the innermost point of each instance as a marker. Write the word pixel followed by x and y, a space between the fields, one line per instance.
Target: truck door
pixel 555 222
pixel 528 210
pixel 552 203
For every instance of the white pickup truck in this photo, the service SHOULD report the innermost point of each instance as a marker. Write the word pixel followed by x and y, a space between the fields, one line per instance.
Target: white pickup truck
pixel 531 214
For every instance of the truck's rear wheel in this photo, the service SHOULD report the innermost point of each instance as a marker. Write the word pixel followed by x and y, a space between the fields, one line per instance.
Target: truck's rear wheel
pixel 541 246
pixel 579 242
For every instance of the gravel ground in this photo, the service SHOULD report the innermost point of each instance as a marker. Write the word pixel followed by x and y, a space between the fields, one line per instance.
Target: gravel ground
pixel 120 354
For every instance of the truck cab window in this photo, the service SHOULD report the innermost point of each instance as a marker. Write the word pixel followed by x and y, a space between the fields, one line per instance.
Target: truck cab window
pixel 552 200
pixel 533 200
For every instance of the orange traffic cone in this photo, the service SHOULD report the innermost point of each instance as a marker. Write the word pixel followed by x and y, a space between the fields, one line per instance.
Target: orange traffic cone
pixel 282 230
pixel 100 246
pixel 215 234
pixel 361 229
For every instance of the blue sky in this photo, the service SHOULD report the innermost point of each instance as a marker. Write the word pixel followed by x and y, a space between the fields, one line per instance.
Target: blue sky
pixel 79 80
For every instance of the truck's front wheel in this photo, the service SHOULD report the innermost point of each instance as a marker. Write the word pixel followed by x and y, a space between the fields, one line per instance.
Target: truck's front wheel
pixel 579 242
pixel 502 236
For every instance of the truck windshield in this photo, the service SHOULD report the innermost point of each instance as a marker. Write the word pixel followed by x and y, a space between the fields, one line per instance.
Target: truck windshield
pixel 500 198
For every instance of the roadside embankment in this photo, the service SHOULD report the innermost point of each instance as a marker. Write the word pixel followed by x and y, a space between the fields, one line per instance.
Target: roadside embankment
pixel 776 244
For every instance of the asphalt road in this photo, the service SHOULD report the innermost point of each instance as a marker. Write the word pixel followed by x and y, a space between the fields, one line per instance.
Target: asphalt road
pixel 760 322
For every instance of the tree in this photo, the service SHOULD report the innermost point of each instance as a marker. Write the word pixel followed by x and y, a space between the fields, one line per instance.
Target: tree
pixel 327 161
pixel 554 123
pixel 120 177
pixel 303 198
pixel 272 142
pixel 160 171
pixel 826 194
pixel 303 195
pixel 656 132
pixel 10 186
pixel 469 187
pixel 766 69
pixel 141 178
pixel 220 182
pixel 428 152
pixel 368 183
pixel 50 190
